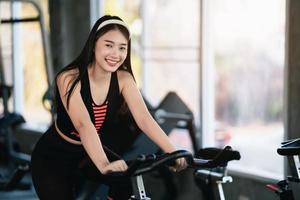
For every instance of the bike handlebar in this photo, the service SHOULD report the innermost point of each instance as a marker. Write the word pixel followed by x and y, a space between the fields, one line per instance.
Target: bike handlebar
pixel 290 148
pixel 146 163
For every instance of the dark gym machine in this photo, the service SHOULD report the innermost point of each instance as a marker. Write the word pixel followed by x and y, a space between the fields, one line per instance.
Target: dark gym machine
pixel 285 189
pixel 17 162
pixel 147 163
pixel 172 113
pixel 9 120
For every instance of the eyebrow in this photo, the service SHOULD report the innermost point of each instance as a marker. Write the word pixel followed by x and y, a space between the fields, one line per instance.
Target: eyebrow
pixel 122 44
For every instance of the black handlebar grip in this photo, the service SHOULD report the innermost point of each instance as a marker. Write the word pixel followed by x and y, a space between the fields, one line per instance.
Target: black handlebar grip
pixel 212 153
pixel 220 160
pixel 290 148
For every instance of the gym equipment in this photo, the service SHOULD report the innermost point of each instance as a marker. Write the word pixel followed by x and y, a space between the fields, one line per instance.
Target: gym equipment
pixel 147 163
pixel 14 164
pixel 18 162
pixel 12 156
pixel 284 188
pixel 210 179
pixel 171 113
pixel 14 159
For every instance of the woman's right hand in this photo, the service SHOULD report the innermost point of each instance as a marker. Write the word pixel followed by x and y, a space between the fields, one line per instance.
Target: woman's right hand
pixel 115 166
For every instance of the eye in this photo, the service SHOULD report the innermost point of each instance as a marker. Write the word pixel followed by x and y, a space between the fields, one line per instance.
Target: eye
pixel 108 45
pixel 123 48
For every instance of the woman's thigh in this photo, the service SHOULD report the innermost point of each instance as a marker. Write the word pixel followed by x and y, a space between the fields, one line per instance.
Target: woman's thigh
pixel 50 180
pixel 52 174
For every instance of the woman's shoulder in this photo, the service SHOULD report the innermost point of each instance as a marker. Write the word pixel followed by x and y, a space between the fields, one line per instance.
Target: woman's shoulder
pixel 67 75
pixel 124 75
pixel 124 78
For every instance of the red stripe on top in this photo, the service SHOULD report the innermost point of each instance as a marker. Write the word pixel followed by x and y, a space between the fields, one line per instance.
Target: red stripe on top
pixel 99 114
pixel 98 108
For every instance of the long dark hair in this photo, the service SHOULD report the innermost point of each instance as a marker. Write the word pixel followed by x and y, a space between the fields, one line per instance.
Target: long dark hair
pixel 87 55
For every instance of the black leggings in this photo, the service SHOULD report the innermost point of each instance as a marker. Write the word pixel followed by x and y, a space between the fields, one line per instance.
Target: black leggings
pixel 58 166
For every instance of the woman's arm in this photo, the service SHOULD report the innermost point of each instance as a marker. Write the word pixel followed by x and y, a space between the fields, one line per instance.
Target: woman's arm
pixel 83 124
pixel 141 114
pixel 144 119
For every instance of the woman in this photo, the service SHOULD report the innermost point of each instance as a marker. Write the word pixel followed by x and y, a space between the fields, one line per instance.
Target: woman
pixel 90 94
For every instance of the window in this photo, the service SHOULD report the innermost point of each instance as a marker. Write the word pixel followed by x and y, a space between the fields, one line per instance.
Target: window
pixel 245 64
pixel 171 49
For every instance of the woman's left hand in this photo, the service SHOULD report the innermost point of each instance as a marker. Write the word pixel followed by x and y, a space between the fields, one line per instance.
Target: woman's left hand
pixel 180 164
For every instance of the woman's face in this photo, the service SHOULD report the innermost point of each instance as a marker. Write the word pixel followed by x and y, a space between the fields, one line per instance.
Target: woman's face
pixel 111 50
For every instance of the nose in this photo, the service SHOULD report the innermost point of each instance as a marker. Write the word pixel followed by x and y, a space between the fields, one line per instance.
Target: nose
pixel 115 52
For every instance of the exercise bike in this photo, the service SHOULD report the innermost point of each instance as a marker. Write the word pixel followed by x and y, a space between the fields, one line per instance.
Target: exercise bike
pixel 172 112
pixel 284 188
pixel 146 163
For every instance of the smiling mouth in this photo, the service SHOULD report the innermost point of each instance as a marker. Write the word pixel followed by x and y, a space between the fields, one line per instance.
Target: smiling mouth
pixel 112 62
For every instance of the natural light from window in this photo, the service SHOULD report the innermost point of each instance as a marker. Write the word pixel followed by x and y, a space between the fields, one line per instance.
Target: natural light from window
pixel 248 57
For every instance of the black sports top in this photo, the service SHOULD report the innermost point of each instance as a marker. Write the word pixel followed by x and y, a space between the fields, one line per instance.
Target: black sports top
pixel 103 116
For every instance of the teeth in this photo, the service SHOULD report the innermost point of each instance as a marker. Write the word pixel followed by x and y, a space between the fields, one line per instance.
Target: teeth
pixel 112 62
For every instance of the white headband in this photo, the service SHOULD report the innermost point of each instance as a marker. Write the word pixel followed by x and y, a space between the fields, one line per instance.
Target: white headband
pixel 113 21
